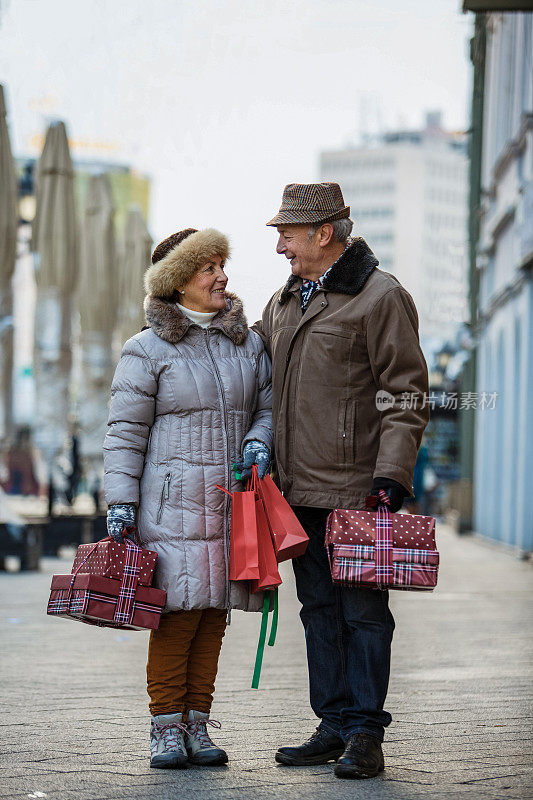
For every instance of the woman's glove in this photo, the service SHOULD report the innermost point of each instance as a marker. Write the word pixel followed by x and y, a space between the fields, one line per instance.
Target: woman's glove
pixel 254 452
pixel 118 518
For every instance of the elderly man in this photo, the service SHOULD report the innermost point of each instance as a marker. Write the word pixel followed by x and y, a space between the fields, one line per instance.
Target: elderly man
pixel 338 332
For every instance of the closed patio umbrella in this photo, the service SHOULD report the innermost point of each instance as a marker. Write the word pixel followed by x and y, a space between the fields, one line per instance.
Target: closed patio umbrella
pixel 54 242
pixel 135 258
pixel 8 249
pixel 97 303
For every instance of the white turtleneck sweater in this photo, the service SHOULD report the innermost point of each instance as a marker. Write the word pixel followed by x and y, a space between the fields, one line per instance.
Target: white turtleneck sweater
pixel 199 317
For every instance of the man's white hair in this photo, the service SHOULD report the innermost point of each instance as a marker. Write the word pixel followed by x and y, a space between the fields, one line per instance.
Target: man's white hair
pixel 342 229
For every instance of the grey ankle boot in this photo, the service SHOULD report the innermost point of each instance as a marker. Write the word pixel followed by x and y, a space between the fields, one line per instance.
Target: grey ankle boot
pixel 167 747
pixel 200 748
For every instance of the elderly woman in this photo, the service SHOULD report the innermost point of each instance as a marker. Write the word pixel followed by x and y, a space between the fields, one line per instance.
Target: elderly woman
pixel 190 393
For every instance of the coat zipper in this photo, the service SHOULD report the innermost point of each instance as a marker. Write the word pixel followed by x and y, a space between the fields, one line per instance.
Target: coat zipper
pixel 344 431
pixel 165 494
pixel 323 304
pixel 226 454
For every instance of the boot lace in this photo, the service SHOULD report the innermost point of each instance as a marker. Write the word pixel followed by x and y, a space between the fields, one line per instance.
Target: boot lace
pixel 316 735
pixel 170 734
pixel 359 743
pixel 198 728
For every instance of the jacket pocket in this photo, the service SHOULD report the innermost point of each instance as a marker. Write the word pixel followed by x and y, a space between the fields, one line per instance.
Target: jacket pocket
pixel 348 431
pixel 165 494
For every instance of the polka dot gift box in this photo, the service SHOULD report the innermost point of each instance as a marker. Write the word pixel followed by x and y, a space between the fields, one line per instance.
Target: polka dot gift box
pixel 106 588
pixel 108 559
pixel 381 550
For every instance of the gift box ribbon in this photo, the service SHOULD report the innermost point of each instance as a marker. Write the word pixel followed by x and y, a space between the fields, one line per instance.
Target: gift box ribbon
pixel 383 544
pixel 130 578
pixel 384 564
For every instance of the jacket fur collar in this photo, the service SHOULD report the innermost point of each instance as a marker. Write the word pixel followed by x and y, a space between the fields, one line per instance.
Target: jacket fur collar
pixel 349 273
pixel 171 324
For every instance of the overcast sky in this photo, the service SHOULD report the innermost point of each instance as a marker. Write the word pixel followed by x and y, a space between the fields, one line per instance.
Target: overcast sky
pixel 223 102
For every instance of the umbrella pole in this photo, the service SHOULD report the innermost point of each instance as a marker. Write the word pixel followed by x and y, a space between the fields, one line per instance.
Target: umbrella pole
pixel 6 349
pixel 50 492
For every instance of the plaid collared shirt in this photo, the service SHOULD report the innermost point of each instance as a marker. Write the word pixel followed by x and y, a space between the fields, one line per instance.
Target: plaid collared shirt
pixel 308 288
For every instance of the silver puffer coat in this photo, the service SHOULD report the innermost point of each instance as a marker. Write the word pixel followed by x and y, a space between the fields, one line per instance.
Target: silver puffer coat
pixel 184 401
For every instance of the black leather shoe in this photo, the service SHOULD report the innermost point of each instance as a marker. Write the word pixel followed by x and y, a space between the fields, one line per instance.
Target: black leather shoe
pixel 320 748
pixel 362 758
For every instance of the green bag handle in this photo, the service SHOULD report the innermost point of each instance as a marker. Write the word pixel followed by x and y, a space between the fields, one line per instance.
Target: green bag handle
pixel 274 625
pixel 262 634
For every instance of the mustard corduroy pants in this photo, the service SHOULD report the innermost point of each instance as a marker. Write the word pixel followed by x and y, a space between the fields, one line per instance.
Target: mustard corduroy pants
pixel 183 660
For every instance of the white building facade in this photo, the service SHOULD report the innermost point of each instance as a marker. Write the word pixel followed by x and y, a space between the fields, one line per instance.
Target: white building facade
pixel 408 197
pixel 503 462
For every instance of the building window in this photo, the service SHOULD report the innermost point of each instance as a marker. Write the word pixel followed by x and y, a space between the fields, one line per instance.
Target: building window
pixel 372 213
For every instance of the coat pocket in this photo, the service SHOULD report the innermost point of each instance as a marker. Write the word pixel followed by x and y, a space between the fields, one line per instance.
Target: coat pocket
pixel 165 494
pixel 348 431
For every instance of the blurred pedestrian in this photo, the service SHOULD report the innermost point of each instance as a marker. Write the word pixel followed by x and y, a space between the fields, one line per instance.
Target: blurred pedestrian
pixel 20 468
pixel 189 393
pixel 75 472
pixel 339 331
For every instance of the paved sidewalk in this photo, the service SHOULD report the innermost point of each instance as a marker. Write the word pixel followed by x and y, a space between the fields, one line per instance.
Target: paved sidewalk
pixel 74 721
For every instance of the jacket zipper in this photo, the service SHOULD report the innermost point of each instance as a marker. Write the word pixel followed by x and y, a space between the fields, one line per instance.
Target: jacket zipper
pixel 165 494
pixel 350 455
pixel 344 432
pixel 290 471
pixel 226 455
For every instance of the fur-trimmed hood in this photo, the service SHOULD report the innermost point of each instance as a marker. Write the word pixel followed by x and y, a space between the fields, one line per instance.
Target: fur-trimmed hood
pixel 349 273
pixel 173 271
pixel 170 323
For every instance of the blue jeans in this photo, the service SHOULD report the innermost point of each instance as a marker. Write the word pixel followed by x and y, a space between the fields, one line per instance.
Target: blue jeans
pixel 348 634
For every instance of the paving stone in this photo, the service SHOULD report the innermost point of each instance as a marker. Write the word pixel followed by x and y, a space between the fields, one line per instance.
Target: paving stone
pixel 74 721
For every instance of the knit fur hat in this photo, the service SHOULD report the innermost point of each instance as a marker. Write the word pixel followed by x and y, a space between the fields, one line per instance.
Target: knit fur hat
pixel 176 259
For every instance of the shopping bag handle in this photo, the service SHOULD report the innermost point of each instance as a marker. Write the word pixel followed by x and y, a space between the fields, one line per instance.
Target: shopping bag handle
pixel 253 482
pixel 223 490
pixel 262 633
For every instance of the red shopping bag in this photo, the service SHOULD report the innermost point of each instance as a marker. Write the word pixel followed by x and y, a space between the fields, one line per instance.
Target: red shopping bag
pixel 243 547
pixel 252 551
pixel 269 576
pixel 289 538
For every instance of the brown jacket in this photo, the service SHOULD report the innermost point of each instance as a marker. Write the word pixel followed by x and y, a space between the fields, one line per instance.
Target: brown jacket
pixel 359 334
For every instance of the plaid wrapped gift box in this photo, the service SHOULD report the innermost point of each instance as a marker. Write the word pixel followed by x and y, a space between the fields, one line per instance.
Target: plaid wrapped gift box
pixel 94 600
pixel 382 550
pixel 107 559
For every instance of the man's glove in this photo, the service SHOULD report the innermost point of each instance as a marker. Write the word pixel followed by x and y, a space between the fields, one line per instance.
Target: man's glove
pixel 118 518
pixel 397 493
pixel 254 452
